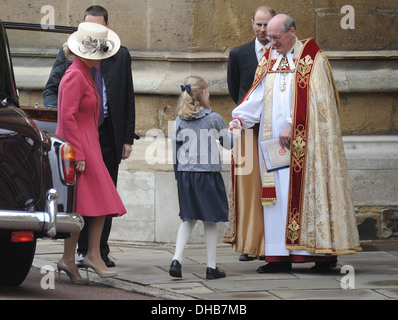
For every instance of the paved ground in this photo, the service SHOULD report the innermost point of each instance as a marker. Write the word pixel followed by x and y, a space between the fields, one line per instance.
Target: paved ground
pixel 368 275
pixel 41 285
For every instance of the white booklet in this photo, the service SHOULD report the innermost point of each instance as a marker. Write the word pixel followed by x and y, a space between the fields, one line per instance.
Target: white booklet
pixel 275 156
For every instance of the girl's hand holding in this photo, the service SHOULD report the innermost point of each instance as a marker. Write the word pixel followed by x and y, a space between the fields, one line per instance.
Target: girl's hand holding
pixel 235 129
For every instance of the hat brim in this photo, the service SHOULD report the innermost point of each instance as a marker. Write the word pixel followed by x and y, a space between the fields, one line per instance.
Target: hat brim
pixel 74 45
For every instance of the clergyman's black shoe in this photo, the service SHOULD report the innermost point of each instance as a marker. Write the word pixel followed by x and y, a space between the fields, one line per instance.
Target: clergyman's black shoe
pixel 246 257
pixel 323 267
pixel 175 269
pixel 275 267
pixel 216 273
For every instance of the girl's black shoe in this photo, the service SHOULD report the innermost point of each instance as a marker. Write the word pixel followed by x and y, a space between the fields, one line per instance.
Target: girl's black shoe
pixel 175 269
pixel 214 273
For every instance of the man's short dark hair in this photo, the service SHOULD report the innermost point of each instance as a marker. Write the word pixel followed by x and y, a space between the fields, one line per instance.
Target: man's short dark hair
pixel 96 11
pixel 266 8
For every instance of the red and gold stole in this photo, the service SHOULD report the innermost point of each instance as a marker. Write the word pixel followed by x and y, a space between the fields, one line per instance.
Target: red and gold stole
pixel 299 139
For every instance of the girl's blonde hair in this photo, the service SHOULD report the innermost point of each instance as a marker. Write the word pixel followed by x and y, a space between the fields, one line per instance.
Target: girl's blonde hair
pixel 192 99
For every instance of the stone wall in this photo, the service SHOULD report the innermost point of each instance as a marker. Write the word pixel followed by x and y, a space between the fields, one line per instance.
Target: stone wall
pixel 373 171
pixel 173 38
pixel 377 222
pixel 216 25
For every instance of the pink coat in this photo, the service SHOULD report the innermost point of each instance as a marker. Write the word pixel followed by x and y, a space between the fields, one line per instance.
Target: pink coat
pixel 78 106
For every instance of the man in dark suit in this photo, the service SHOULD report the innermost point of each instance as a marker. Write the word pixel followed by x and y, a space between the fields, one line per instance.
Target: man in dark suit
pixel 116 131
pixel 242 65
pixel 243 60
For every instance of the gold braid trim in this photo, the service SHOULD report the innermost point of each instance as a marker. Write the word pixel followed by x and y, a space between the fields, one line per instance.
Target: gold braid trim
pixel 325 250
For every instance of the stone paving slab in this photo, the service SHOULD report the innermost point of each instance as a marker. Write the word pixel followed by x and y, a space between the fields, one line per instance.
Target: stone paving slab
pixel 144 268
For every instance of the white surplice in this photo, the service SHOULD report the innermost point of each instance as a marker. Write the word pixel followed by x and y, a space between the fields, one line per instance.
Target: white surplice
pixel 250 112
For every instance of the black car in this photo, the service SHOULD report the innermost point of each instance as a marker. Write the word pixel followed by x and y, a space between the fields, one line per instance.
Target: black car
pixel 37 181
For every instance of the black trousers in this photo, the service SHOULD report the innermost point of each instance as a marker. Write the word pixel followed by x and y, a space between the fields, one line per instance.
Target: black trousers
pixel 110 160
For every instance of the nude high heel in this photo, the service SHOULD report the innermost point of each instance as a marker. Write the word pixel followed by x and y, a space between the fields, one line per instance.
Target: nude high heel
pixel 87 263
pixel 62 266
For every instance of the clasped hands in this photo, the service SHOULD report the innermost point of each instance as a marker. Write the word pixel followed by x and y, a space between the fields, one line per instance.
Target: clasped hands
pixel 284 137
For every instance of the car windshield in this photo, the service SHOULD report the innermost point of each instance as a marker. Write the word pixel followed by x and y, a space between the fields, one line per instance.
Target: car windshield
pixel 34 50
pixel 7 83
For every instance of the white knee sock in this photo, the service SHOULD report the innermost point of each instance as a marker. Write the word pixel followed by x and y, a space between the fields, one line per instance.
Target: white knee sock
pixel 183 235
pixel 211 243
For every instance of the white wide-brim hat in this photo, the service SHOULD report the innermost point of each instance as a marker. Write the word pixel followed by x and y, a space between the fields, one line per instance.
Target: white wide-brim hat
pixel 93 41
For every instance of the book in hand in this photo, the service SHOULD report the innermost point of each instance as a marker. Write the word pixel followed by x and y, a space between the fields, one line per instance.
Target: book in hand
pixel 275 156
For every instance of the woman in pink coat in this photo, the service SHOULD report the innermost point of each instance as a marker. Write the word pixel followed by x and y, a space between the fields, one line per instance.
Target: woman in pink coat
pixel 78 111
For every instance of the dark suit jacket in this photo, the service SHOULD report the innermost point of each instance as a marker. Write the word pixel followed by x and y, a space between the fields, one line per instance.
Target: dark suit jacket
pixel 116 72
pixel 242 65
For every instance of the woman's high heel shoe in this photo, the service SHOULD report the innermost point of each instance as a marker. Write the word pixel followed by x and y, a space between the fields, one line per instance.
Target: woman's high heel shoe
pixel 62 266
pixel 102 273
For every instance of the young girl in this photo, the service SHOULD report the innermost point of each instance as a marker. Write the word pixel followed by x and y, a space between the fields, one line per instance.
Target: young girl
pixel 201 190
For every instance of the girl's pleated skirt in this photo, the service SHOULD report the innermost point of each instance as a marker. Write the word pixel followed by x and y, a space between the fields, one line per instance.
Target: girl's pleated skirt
pixel 202 196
